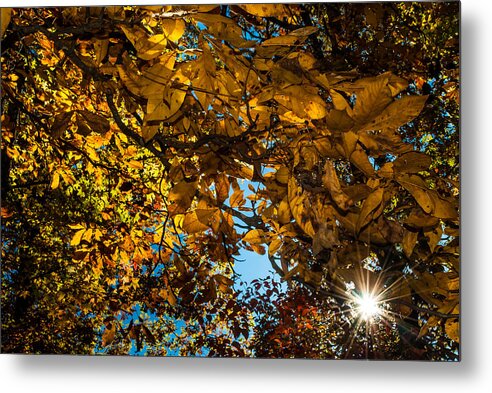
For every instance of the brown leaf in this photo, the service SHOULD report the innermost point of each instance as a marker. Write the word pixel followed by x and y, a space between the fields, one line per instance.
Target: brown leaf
pixel 400 112
pixel 452 328
pixel 419 190
pixel 5 15
pixel 360 159
pixel 61 123
pixel 409 241
pixel 109 334
pixel 181 196
pixel 369 210
pixel 221 188
pixel 88 122
pixel 412 162
pixel 418 219
pixel 198 220
pixel 323 239
pixel 372 99
pixel 434 237
pixel 332 184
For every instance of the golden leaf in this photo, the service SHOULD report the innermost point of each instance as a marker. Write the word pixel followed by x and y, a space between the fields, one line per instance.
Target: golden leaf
pixel 147 48
pixel 369 210
pixel 109 334
pixel 77 237
pixel 332 184
pixel 55 182
pixel 255 236
pixel 419 190
pixel 198 220
pixel 5 15
pixel 237 198
pixel 265 10
pixel 452 328
pixel 221 188
pixel 372 99
pixel 283 214
pixel 412 162
pixel 395 115
pixel 182 194
pixel 409 241
pixel 360 159
pixel 87 235
pixel 282 175
pixel 274 246
pixel 434 237
pixel 173 28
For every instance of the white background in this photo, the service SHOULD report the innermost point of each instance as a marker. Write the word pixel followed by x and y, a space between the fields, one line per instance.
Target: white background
pixel 85 374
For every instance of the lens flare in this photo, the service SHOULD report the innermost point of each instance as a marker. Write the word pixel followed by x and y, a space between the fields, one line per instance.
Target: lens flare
pixel 367 306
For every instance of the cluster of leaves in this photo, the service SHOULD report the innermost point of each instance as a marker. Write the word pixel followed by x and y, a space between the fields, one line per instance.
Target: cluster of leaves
pixel 144 147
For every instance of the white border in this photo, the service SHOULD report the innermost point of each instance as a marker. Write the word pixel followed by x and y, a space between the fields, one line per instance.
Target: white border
pixel 87 374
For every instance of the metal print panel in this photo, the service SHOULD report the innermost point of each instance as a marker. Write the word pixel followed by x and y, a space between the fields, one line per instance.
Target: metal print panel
pixel 256 180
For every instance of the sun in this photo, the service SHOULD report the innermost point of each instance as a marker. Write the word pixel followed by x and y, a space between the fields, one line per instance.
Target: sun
pixel 367 306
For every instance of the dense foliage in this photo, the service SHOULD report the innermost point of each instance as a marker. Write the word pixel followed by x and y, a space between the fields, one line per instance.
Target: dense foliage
pixel 144 147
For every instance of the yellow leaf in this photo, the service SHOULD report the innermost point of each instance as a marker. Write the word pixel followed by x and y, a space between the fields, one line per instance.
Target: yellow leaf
pixel 304 31
pixel 433 237
pixel 237 198
pixel 339 102
pixel 130 79
pixel 76 226
pixel 77 238
pixel 274 246
pixel 87 235
pixel 395 115
pixel 283 40
pixel 349 142
pixel 265 10
pixel 197 220
pixel 147 48
pixel 452 328
pixel 5 15
pixel 223 280
pixel 331 182
pixel 442 208
pixel 109 334
pixel 167 294
pixel 255 236
pixel 372 99
pixel 135 164
pixel 55 182
pixel 181 196
pixel 101 50
pixel 297 200
pixel 148 132
pixel 173 28
pixel 283 215
pixel 282 175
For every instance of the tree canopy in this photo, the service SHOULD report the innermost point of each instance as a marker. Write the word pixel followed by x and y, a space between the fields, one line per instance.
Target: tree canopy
pixel 143 148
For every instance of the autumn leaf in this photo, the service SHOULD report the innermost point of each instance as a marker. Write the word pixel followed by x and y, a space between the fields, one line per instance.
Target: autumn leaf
pixel 77 238
pixel 5 15
pixel 255 236
pixel 370 208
